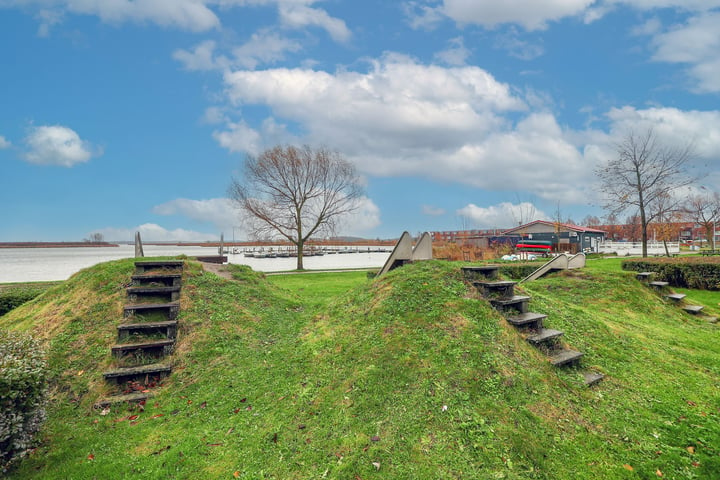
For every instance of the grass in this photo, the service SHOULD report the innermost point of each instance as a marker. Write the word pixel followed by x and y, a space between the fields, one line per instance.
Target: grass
pixel 333 375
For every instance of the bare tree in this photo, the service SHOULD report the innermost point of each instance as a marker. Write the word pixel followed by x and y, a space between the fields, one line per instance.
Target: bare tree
pixel 95 238
pixel 642 173
pixel 296 193
pixel 590 221
pixel 704 210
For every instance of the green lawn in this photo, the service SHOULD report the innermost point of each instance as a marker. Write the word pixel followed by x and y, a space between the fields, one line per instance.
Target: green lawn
pixel 333 375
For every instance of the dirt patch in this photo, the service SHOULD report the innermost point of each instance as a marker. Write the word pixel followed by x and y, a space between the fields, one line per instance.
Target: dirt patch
pixel 217 269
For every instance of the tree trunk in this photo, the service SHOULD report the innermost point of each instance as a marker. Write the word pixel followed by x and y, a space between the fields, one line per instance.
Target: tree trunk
pixel 667 251
pixel 300 246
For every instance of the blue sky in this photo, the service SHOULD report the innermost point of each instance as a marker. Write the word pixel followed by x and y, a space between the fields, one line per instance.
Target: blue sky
pixel 119 116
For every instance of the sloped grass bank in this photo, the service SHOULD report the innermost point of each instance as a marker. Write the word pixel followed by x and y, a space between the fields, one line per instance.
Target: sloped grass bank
pixel 406 376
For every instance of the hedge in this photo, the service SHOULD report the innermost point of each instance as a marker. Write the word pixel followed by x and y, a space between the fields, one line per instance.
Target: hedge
pixel 23 392
pixel 685 272
pixel 13 297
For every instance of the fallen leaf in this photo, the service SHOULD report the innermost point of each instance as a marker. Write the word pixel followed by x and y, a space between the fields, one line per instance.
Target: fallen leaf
pixel 274 438
pixel 628 467
pixel 691 450
pixel 105 411
pixel 658 473
pixel 230 430
pixel 81 372
pixel 695 464
pixel 691 403
pixel 375 439
pixel 236 474
pixel 243 400
pixel 133 417
pixel 91 457
pixel 376 465
pixel 214 444
pixel 203 405
pixel 157 415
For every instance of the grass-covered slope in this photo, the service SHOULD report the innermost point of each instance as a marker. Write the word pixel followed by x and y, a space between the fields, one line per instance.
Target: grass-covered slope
pixel 406 376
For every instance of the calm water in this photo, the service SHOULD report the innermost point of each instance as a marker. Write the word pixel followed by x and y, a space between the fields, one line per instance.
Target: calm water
pixel 40 264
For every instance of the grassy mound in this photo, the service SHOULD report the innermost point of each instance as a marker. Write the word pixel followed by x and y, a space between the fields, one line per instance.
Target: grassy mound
pixel 405 376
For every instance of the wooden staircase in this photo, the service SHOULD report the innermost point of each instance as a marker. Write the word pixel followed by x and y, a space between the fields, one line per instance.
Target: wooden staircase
pixel 501 295
pixel 147 333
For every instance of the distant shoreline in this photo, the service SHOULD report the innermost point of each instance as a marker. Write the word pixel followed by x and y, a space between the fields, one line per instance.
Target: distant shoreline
pixel 54 244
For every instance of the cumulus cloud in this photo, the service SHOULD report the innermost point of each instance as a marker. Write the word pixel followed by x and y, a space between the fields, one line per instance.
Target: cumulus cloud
pixel 362 220
pixel 531 14
pixel 403 118
pixel 697 44
pixel 151 232
pixel 220 212
pixel 57 145
pixel 4 143
pixel 505 215
pixel 297 14
pixel 456 54
pixel 263 47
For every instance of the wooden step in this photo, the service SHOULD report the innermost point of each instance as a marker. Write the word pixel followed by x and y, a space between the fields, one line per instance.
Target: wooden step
pixel 516 303
pixel 675 296
pixel 495 289
pixel 487 272
pixel 694 309
pixel 565 357
pixel 544 335
pixel 148 265
pixel 167 328
pixel 527 319
pixel 644 276
pixel 165 345
pixel 173 293
pixel 121 375
pixel 658 284
pixel 164 279
pixel 130 397
pixel 592 378
pixel 171 309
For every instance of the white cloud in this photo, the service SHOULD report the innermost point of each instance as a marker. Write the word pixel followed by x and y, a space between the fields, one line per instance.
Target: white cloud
pixel 362 220
pixel 516 47
pixel 696 43
pixel 151 232
pixel 432 211
pixel 456 54
pixel 220 212
pixel 422 16
pixel 531 14
pixel 264 47
pixel 193 15
pixel 239 137
pixel 57 145
pixel 297 14
pixel 201 57
pixel 504 215
pixel 4 143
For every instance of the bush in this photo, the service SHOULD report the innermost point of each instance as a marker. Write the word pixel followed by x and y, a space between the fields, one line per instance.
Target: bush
pixel 689 272
pixel 23 387
pixel 519 270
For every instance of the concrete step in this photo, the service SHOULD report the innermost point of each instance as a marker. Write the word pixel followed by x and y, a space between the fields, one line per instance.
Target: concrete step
pixel 675 296
pixel 527 319
pixel 487 272
pixel 168 328
pixel 658 284
pixel 170 309
pixel 162 347
pixel 495 289
pixel 122 375
pixel 565 357
pixel 544 335
pixel 694 309
pixel 517 303
pixel 592 378
pixel 130 397
pixel 644 276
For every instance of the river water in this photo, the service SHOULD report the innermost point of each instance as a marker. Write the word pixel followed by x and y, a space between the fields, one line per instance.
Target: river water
pixel 45 264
